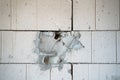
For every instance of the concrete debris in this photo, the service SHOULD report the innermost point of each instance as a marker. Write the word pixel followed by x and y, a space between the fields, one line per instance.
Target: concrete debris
pixel 51 47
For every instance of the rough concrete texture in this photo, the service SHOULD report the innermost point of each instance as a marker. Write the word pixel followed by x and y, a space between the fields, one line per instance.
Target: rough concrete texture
pixel 96 20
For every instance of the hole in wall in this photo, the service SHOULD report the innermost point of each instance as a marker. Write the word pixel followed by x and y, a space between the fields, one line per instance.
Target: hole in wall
pixel 51 47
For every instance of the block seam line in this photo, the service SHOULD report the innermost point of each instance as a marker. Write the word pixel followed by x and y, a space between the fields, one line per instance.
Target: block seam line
pixel 54 30
pixel 65 63
pixel 116 45
pixel 16 22
pixel 10 14
pixel 71 71
pixel 95 14
pixel 72 15
pixel 119 15
pixel 37 15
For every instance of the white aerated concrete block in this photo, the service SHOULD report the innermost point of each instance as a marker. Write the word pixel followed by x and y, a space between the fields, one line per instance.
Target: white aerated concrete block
pixel 104 47
pixel 118 46
pixel 109 72
pixel 12 72
pixel 83 14
pixel 84 54
pixel 34 73
pixel 64 74
pixel 5 14
pixel 7 46
pixel 24 47
pixel 24 11
pixel 94 70
pixel 18 47
pixel 54 14
pixel 107 14
pixel 80 72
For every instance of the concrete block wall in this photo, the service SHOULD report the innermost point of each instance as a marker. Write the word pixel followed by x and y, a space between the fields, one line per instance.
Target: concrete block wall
pixel 96 20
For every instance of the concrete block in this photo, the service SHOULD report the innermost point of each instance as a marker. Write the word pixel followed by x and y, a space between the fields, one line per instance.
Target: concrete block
pixel 54 14
pixel 24 47
pixel 109 72
pixel 24 15
pixel 104 47
pixel 94 70
pixel 5 14
pixel 34 73
pixel 104 72
pixel 63 74
pixel 84 54
pixel 83 14
pixel 12 71
pixel 18 47
pixel 80 72
pixel 117 72
pixel 7 46
pixel 107 14
pixel 118 47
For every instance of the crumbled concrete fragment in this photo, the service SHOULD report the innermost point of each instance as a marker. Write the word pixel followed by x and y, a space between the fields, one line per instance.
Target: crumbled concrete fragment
pixel 51 47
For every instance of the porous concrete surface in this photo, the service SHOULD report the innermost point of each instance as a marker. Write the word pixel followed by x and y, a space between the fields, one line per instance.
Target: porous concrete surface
pixel 96 20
